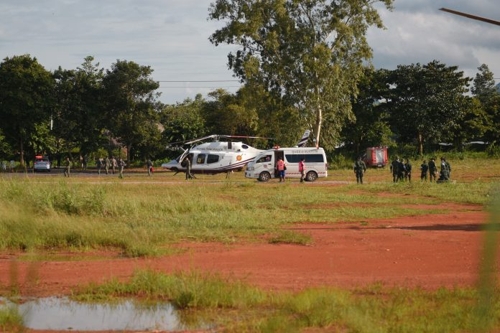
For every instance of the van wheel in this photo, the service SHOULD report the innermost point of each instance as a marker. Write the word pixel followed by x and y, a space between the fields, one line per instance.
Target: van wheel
pixel 311 176
pixel 264 176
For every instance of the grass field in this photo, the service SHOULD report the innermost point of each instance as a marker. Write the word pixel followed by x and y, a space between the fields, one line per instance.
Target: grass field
pixel 143 216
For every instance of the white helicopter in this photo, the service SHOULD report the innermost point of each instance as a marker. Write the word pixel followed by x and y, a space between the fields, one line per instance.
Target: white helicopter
pixel 219 156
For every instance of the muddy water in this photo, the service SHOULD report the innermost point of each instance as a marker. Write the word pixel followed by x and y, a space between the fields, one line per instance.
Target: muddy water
pixel 63 314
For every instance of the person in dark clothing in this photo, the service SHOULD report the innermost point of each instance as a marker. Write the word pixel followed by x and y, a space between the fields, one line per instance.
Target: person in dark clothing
pixel 423 170
pixel 432 169
pixel 359 170
pixel 445 172
pixel 407 170
pixel 395 170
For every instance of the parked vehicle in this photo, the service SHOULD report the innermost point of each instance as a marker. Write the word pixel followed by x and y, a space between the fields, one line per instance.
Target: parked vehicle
pixel 42 163
pixel 263 166
pixel 376 157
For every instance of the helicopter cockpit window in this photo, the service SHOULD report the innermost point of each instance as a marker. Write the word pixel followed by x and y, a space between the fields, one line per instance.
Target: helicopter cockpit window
pixel 212 159
pixel 264 159
pixel 201 159
pixel 243 146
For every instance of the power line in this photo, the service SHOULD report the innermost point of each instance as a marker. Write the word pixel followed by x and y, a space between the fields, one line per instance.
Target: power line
pixel 202 81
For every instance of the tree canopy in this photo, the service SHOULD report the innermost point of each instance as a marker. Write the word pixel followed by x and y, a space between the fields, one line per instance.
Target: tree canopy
pixel 307 54
pixel 26 100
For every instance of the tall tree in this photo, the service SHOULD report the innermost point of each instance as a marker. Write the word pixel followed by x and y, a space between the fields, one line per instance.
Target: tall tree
pixel 131 103
pixel 371 125
pixel 80 111
pixel 308 54
pixel 26 100
pixel 485 91
pixel 182 122
pixel 225 114
pixel 426 103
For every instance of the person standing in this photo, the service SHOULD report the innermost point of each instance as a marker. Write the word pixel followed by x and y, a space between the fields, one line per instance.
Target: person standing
pixel 281 167
pixel 445 170
pixel 407 170
pixel 423 170
pixel 187 163
pixel 99 165
pixel 67 167
pixel 302 169
pixel 107 163
pixel 149 165
pixel 395 170
pixel 113 164
pixel 432 169
pixel 359 170
pixel 121 165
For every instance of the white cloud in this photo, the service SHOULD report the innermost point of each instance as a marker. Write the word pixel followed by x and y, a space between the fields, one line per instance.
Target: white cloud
pixel 418 32
pixel 171 36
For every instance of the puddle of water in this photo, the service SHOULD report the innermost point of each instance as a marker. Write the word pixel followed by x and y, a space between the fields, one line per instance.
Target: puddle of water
pixel 55 313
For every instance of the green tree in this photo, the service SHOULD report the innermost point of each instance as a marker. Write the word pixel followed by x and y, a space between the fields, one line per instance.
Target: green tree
pixel 426 103
pixel 80 113
pixel 226 114
pixel 308 54
pixel 6 149
pixel 275 120
pixel 489 98
pixel 371 125
pixel 26 100
pixel 131 105
pixel 183 121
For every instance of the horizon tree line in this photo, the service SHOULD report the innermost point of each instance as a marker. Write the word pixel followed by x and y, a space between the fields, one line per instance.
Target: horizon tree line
pixel 92 112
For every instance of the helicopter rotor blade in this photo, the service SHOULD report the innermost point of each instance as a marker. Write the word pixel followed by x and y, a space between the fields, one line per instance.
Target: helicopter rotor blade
pixel 474 17
pixel 244 137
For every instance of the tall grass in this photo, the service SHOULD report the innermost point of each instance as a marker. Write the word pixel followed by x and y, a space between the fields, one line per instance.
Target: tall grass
pixel 372 309
pixel 141 218
pixel 11 320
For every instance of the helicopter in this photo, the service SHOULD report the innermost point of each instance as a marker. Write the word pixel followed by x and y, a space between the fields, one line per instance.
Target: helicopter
pixel 218 156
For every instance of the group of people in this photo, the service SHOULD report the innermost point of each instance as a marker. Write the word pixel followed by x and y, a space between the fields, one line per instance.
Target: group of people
pixel 280 169
pixel 431 169
pixel 108 164
pixel 401 170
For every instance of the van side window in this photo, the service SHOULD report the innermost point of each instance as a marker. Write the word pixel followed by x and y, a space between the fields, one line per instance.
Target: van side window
pixel 309 158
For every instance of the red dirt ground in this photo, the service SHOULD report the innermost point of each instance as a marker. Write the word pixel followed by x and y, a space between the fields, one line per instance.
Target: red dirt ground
pixel 428 251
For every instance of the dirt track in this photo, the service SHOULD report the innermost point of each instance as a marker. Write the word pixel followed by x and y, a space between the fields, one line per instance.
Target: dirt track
pixel 429 251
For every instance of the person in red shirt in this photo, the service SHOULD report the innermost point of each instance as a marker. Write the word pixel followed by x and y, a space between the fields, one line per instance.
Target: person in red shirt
pixel 302 169
pixel 281 167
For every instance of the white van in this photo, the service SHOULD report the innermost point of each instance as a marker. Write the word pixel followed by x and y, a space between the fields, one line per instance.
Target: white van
pixel 263 166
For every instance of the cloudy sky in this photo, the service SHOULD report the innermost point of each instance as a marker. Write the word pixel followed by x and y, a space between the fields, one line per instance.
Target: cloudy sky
pixel 171 36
